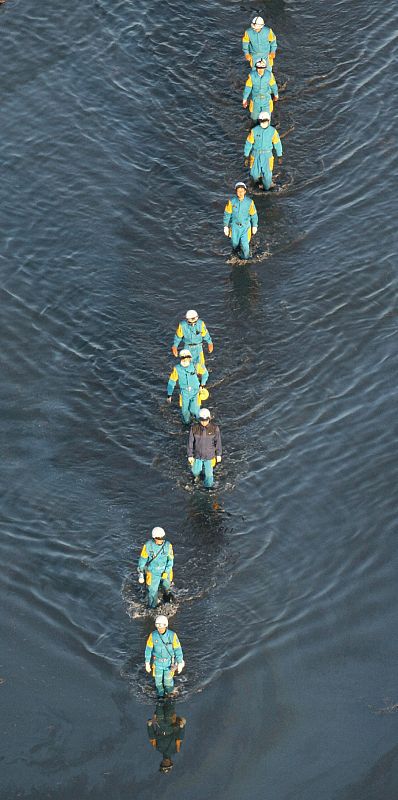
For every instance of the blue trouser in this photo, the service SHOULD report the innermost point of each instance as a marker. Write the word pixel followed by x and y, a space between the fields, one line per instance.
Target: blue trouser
pixel 153 581
pixel 197 467
pixel 240 238
pixel 189 406
pixel 164 678
pixel 261 104
pixel 262 168
pixel 197 354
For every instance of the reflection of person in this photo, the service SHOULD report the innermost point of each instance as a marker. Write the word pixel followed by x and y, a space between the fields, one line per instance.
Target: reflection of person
pixel 204 447
pixel 240 220
pixel 260 87
pixel 155 566
pixel 189 378
pixel 163 656
pixel 166 732
pixel 259 148
pixel 259 41
pixel 193 332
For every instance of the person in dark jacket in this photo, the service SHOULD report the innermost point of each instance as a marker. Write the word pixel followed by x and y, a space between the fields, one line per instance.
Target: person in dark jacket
pixel 204 447
pixel 166 731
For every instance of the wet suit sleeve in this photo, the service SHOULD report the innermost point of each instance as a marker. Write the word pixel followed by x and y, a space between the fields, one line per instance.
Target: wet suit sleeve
pixel 249 144
pixel 253 215
pixel 248 88
pixel 143 559
pixel 191 442
pixel 179 334
pixel 177 649
pixel 168 570
pixel 277 144
pixel 227 214
pixel 273 86
pixel 245 43
pixel 272 41
pixel 205 334
pixel 149 648
pixel 172 382
pixel 202 371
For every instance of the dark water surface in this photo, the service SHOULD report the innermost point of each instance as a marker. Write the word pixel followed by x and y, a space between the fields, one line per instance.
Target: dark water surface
pixel 121 135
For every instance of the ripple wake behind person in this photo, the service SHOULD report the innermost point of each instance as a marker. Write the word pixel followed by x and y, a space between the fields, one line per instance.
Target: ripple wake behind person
pixel 155 567
pixel 260 144
pixel 163 656
pixel 193 332
pixel 240 220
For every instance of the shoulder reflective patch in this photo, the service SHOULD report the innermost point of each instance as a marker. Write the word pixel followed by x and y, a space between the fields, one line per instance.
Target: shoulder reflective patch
pixel 271 36
pixel 149 641
pixel 245 37
pixel 179 331
pixel 228 207
pixel 204 330
pixel 272 80
pixel 250 137
pixel 176 642
pixel 144 552
pixel 174 375
pixel 249 82
pixel 275 137
pixel 252 209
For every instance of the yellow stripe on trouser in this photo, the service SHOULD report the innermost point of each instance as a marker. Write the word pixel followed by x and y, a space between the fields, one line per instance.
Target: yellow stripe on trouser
pixel 271 163
pixel 251 104
pixel 249 234
pixel 148 578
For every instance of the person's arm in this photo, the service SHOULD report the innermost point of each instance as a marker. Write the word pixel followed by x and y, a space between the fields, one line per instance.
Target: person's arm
pixel 179 334
pixel 247 91
pixel 142 560
pixel 191 443
pixel 178 650
pixel 249 144
pixel 227 217
pixel 273 87
pixel 203 374
pixel 277 144
pixel 246 45
pixel 253 217
pixel 148 652
pixel 172 382
pixel 151 733
pixel 273 45
pixel 168 570
pixel 206 337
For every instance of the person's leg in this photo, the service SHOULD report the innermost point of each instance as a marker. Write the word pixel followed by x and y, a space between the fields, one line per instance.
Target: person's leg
pixel 185 412
pixel 244 245
pixel 168 678
pixel 152 588
pixel 194 407
pixel 197 467
pixel 209 479
pixel 158 675
pixel 235 236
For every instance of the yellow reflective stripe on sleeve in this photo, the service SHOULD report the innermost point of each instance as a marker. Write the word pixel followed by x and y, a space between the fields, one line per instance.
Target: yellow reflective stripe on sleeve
pixel 149 641
pixel 250 138
pixel 200 370
pixel 245 37
pixel 204 329
pixel 144 552
pixel 249 234
pixel 171 552
pixel 275 138
pixel 252 209
pixel 271 36
pixel 272 81
pixel 228 207
pixel 251 106
pixel 179 332
pixel 249 82
pixel 176 642
pixel 174 375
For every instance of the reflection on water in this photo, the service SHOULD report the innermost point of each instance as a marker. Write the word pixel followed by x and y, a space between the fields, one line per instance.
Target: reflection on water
pixel 166 731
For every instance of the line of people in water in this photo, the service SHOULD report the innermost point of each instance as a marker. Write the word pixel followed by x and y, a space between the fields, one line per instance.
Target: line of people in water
pixel 163 652
pixel 263 141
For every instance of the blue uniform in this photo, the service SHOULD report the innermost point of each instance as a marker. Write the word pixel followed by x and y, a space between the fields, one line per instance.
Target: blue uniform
pixel 261 88
pixel 259 145
pixel 156 560
pixel 259 45
pixel 240 216
pixel 164 651
pixel 193 336
pixel 189 384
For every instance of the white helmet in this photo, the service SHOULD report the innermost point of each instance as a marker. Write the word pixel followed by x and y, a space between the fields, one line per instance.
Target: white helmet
pixel 240 184
pixel 264 116
pixel 204 413
pixel 185 354
pixel 191 314
pixel 161 622
pixel 158 533
pixel 258 21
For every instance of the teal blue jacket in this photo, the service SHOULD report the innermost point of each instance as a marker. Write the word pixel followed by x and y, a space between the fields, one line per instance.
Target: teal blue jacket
pixel 157 558
pixel 164 649
pixel 192 334
pixel 242 213
pixel 259 45
pixel 260 86
pixel 262 141
pixel 188 379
